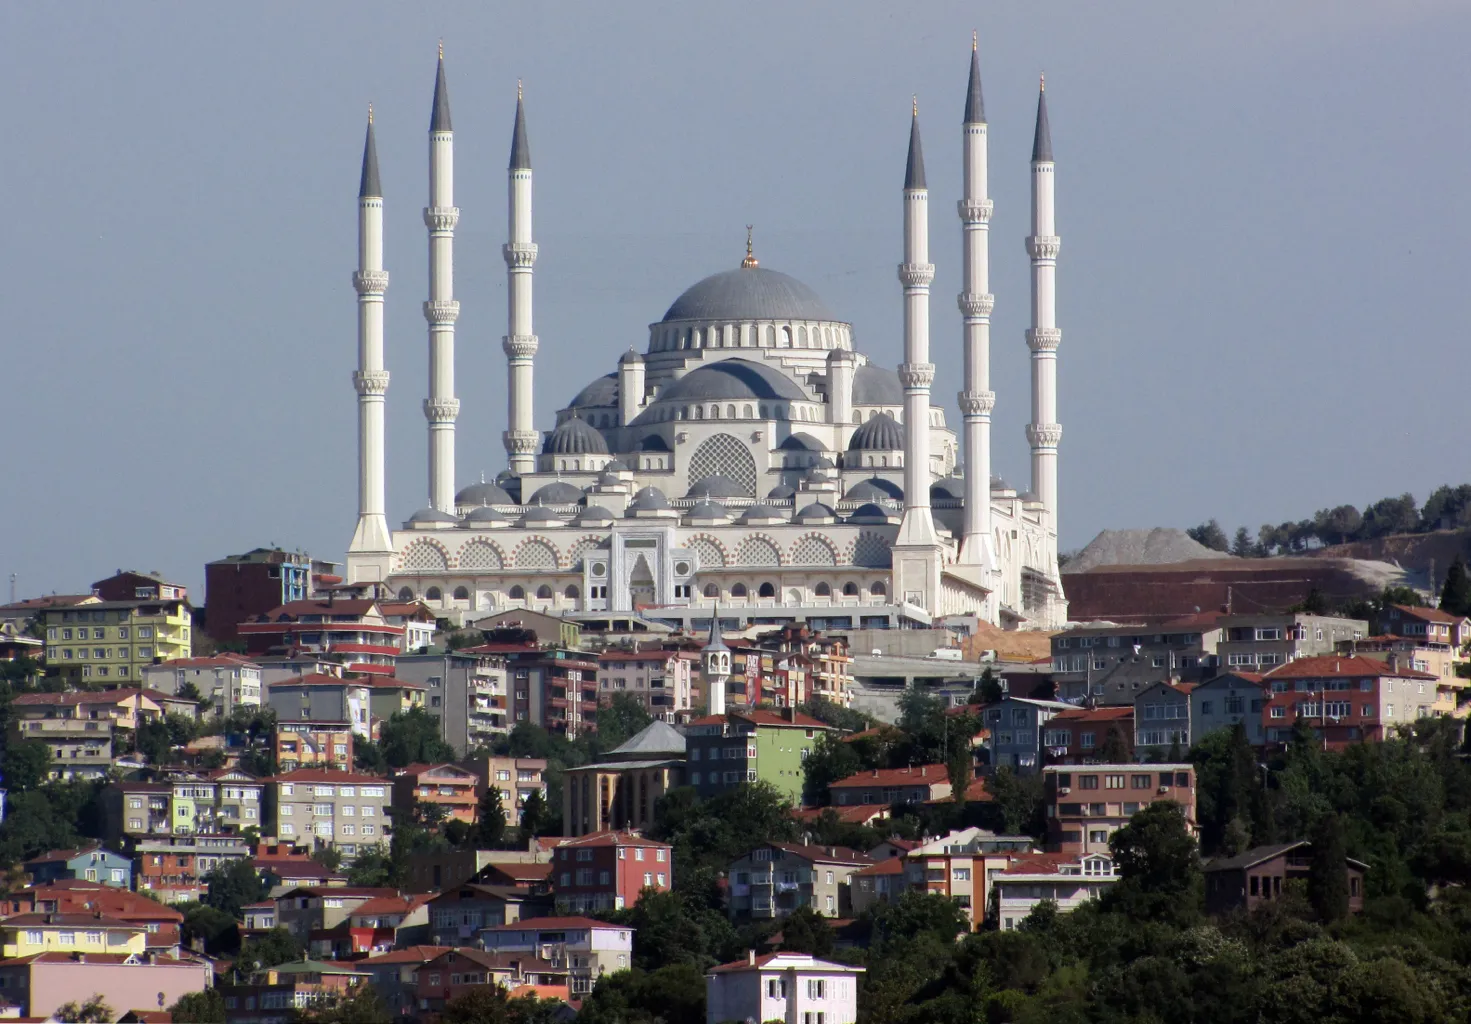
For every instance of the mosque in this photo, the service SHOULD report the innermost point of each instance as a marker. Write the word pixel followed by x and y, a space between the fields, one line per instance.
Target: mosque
pixel 750 458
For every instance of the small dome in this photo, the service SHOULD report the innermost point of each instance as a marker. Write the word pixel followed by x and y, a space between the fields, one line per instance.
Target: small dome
pixel 841 355
pixel 431 515
pixel 484 514
pixel 950 487
pixel 600 393
pixel 607 479
pixel 615 466
pixel 748 293
pixel 802 442
pixel 630 357
pixel 483 494
pixel 709 510
pixel 649 499
pixel 575 437
pixel 998 484
pixel 874 385
pixel 759 512
pixel 558 492
pixel 540 514
pixel 814 512
pixel 881 433
pixel 782 492
pixel 1029 496
pixel 717 487
pixel 870 513
pixel 594 514
pixel 875 489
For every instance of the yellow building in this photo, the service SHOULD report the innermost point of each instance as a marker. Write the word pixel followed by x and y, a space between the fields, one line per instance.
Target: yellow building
pixel 107 641
pixel 25 934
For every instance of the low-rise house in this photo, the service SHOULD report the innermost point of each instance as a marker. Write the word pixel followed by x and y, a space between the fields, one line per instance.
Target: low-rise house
pixel 388 922
pixel 516 777
pixel 26 934
pixel 269 996
pixel 1016 725
pixel 306 911
pixel 228 681
pixel 892 786
pixel 457 971
pixel 1430 624
pixel 1346 700
pixel 775 879
pixel 342 809
pixel 257 918
pixel 284 875
pixel 587 949
pixel 1087 804
pixel 43 982
pixel 396 975
pixel 793 987
pixel 458 914
pixel 160 924
pixel 306 744
pixel 534 875
pixel 1068 880
pixel 605 871
pixel 1162 721
pixel 89 864
pixel 446 786
pixel 621 791
pixel 1259 643
pixel 1081 735
pixel 1229 699
pixel 1261 874
pixel 724 751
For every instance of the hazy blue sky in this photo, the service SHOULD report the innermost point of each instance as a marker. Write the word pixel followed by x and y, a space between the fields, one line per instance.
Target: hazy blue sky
pixel 1263 208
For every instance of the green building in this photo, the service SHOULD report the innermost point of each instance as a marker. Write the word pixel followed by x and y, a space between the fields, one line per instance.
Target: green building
pixel 722 751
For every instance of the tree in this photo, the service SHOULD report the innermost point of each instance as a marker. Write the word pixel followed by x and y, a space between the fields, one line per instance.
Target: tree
pixel 987 689
pixel 1389 516
pixel 1455 595
pixel 1158 866
pixel 94 1011
pixel 277 946
pixel 207 1007
pixel 234 885
pixel 373 868
pixel 831 759
pixel 1327 879
pixel 412 737
pixel 216 928
pixel 1115 747
pixel 154 741
pixel 536 820
pixel 368 758
pixel 1242 546
pixel 359 1005
pixel 327 855
pixel 1447 508
pixel 1211 535
pixel 490 820
pixel 674 994
pixel 806 931
pixel 26 765
pixel 622 718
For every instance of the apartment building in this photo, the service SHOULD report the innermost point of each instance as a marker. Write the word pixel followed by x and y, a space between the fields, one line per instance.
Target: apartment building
pixel 131 585
pixel 1067 879
pixel 342 809
pixel 662 681
pixel 89 863
pixel 161 924
pixel 458 913
pixel 890 786
pixel 351 631
pixel 1017 725
pixel 724 751
pixel 308 910
pixel 308 744
pixel 1347 700
pixel 270 996
pixel 388 696
pixel 396 975
pixel 585 948
pixel 447 786
pixel 554 687
pixel 608 871
pixel 1087 805
pixel 114 640
pixel 1079 736
pixel 1110 663
pixel 44 982
pixel 795 987
pixel 1162 721
pixel 622 790
pixel 466 692
pixel 229 681
pixel 1223 702
pixel 775 879
pixel 83 731
pixel 1430 624
pixel 324 698
pixel 516 777
pixel 240 587
pixel 824 661
pixel 962 866
pixel 183 803
pixel 29 934
pixel 173 868
pixel 1258 643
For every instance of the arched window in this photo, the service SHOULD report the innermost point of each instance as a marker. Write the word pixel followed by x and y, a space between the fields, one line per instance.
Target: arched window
pixel 699 412
pixel 730 412
pixel 433 594
pixel 748 412
pixel 712 590
pixel 679 414
pixel 572 593
pixel 739 590
pixel 850 589
pixel 767 590
pixel 823 590
pixel 517 593
pixel 715 412
pixel 543 593
pixel 801 337
pixel 794 596
pixel 462 593
pixel 878 589
pixel 405 593
pixel 786 337
pixel 763 411
pixel 696 338
pixel 770 337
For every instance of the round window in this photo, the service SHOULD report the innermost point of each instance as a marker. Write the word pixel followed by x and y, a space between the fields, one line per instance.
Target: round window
pixel 682 568
pixel 599 569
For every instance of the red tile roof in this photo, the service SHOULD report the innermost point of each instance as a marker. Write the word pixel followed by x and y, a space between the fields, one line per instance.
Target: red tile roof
pixel 1112 714
pixel 318 679
pixel 101 697
pixel 818 852
pixel 67 920
pixel 314 606
pixel 407 955
pixel 225 660
pixel 761 716
pixel 52 856
pixel 920 775
pixel 1038 863
pixel 1429 614
pixel 553 924
pixel 1336 666
pixel 851 814
pixel 887 866
pixel 393 904
pixel 60 957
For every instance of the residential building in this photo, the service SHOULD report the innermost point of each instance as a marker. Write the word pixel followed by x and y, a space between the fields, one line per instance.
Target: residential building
pixel 1443 660
pixel 457 971
pixel 775 879
pixel 739 746
pixel 388 696
pixel 823 661
pixel 269 996
pixel 311 910
pixel 160 924
pixel 1261 874
pixel 551 630
pixel 352 631
pixel 377 926
pixel 239 798
pixel 43 982
pixel 418 621
pixel 276 667
pixel 83 730
pixel 962 866
pixel 1430 624
pixel 132 585
pixel 1086 805
pixel 891 786
pixel 114 640
pixel 443 785
pixel 230 681
pixel 587 949
pixel 444 869
pixel 308 744
pixel 622 790
pixel 173 868
pixel 28 934
pixel 608 871
pixel 340 809
pixel 396 976
pixel 458 913
pixel 1110 663
pixel 1067 879
pixel 882 882
pixel 90 864
pixel 534 875
pixel 238 588
pixel 1162 721
pixel 1258 643
pixel 554 687
pixel 323 698
pixel 1080 736
pixel 794 987
pixel 284 875
pixel 1228 699
pixel 257 918
pixel 1016 725
pixel 1347 699
pixel 466 692
pixel 516 777
pixel 136 809
pixel 661 680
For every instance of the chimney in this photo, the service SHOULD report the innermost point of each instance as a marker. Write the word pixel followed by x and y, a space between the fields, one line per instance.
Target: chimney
pixel 751 958
pixel 1394 661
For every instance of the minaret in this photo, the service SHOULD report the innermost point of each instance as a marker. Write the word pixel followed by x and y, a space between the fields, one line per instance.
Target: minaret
pixel 917 546
pixel 440 216
pixel 977 399
pixel 1044 432
pixel 370 380
pixel 520 344
pixel 715 667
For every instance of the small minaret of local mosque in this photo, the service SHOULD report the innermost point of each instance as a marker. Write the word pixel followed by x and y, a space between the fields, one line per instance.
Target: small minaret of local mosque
pixel 370 380
pixel 520 343
pixel 1044 432
pixel 977 399
pixel 441 311
pixel 715 667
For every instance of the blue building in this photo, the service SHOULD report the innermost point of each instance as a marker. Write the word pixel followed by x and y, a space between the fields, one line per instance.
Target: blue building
pixel 1227 699
pixel 1016 731
pixel 91 864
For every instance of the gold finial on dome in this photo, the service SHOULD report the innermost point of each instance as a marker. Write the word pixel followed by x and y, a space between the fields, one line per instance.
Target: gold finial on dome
pixel 915 97
pixel 370 113
pixel 1042 82
pixel 441 49
pixel 973 40
pixel 750 260
pixel 518 90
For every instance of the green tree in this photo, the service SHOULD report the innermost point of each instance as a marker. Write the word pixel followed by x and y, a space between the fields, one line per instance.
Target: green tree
pixel 218 929
pixel 154 741
pixel 359 1005
pixel 1211 535
pixel 93 1011
pixel 536 819
pixel 987 689
pixel 1018 802
pixel 834 714
pixel 233 885
pixel 490 820
pixel 1327 879
pixel 207 1007
pixel 277 946
pixel 327 855
pixel 1455 595
pixel 806 931
pixel 26 765
pixel 368 757
pixel 412 737
pixel 1242 546
pixel 374 868
pixel 1115 747
pixel 1158 865
pixel 623 717
pixel 831 759
pixel 674 994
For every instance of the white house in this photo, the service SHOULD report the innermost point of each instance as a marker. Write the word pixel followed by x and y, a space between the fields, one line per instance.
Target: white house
pixel 230 680
pixel 1068 880
pixel 587 948
pixel 795 988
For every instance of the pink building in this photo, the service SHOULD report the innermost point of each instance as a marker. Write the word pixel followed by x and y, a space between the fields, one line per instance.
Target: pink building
pixel 44 981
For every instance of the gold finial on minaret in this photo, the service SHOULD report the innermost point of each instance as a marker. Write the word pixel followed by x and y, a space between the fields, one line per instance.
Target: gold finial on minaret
pixel 441 49
pixel 915 98
pixel 518 90
pixel 750 260
pixel 1042 82
pixel 370 113
pixel 973 40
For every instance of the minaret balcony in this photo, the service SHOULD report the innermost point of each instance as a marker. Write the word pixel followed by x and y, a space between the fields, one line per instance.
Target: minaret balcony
pixel 1044 247
pixel 370 282
pixel 975 211
pixel 519 255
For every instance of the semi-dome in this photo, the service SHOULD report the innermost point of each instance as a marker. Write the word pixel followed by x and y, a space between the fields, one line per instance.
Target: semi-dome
pixel 717 487
pixel 601 392
pixel 802 442
pixel 782 492
pixel 874 385
pixel 483 494
pixel 653 443
pixel 876 489
pixel 431 515
pixel 484 514
pixel 748 293
pixel 881 433
pixel 950 487
pixel 815 512
pixel 558 492
pixel 575 436
pixel 733 379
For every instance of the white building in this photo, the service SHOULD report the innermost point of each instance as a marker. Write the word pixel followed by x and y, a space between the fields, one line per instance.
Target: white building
pixel 230 680
pixel 750 457
pixel 1067 880
pixel 587 948
pixel 795 988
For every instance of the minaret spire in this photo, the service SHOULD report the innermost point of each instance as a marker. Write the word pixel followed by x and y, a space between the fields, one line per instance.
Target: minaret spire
pixel 715 666
pixel 520 344
pixel 371 379
pixel 441 310
pixel 977 400
pixel 1043 432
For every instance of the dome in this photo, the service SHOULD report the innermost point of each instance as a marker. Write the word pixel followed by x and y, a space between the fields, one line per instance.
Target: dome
pixel 733 379
pixel 431 515
pixel 594 514
pixel 815 512
pixel 950 487
pixel 614 466
pixel 756 512
pixel 558 492
pixel 870 513
pixel 630 357
pixel 484 514
pixel 802 442
pixel 575 437
pixel 649 499
pixel 874 385
pixel 601 392
pixel 782 492
pixel 748 293
pixel 708 510
pixel 881 433
pixel 875 489
pixel 483 494
pixel 540 514
pixel 824 463
pixel 717 487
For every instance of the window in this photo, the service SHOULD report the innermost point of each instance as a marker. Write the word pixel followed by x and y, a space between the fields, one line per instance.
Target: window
pixel 648 878
pixel 816 988
pixel 1113 782
pixel 776 988
pixel 1088 781
pixel 956 874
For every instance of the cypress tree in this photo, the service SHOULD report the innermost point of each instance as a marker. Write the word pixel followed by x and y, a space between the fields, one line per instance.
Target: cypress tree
pixel 1327 879
pixel 1455 595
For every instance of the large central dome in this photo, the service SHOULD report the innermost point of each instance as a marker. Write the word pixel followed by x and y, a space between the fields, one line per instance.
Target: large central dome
pixel 749 293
